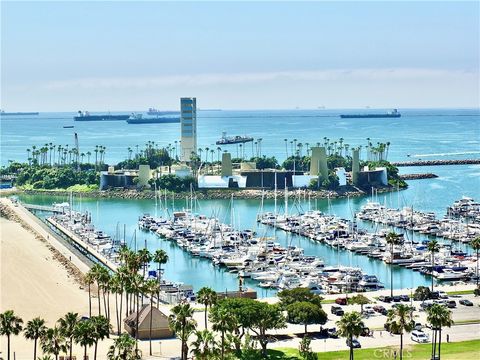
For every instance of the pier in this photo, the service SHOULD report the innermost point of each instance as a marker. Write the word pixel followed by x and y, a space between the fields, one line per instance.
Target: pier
pixel 52 209
pixel 83 245
pixel 436 162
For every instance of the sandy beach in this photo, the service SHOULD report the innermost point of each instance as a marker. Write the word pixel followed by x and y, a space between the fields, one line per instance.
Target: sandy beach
pixel 38 279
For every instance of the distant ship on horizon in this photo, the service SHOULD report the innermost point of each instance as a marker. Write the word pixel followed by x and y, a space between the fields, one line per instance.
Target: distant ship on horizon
pixel 139 119
pixel 86 116
pixel 392 114
pixel 3 113
pixel 156 112
pixel 227 140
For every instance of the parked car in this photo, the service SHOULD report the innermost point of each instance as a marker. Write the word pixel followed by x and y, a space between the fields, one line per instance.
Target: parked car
pixel 418 326
pixel 443 295
pixel 465 302
pixel 337 310
pixel 332 332
pixel 396 298
pixel 341 301
pixel 355 343
pixel 386 299
pixel 419 336
pixel 426 304
pixel 451 304
pixel 404 297
pixel 434 295
pixel 380 309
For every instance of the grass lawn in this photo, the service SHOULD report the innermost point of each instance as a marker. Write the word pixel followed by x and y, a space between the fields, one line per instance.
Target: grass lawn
pixel 463 350
pixel 460 292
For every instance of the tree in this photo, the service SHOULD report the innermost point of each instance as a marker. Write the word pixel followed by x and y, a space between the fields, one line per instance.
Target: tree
pixel 421 293
pixel 160 257
pixel 101 330
pixel 433 246
pixel 261 317
pixel 152 288
pixel 67 328
pixel 123 348
pixel 350 326
pixel 438 316
pixel 359 300
pixel 475 243
pixel 204 346
pixel 89 280
pixel 53 342
pixel 208 297
pixel 83 335
pixel 392 239
pixel 224 322
pixel 288 297
pixel 400 320
pixel 35 330
pixel 10 324
pixel 305 313
pixel 305 350
pixel 181 322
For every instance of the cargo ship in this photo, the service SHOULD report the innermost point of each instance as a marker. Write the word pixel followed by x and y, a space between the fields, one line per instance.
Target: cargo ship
pixel 227 140
pixel 156 112
pixel 139 119
pixel 391 114
pixel 3 113
pixel 85 116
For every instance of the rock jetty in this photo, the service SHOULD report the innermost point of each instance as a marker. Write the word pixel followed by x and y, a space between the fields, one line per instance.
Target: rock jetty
pixel 436 162
pixel 418 176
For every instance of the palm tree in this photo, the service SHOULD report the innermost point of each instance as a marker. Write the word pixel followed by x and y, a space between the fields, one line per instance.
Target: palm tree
pixel 101 330
pixel 475 243
pixel 89 279
pixel 400 320
pixel 204 346
pixel 286 146
pixel 208 297
pixel 350 326
pixel 393 239
pixel 433 247
pixel 136 283
pixel 224 322
pixel 96 272
pixel 160 257
pixel 181 322
pixel 116 287
pixel 67 327
pixel 83 335
pixel 152 288
pixel 10 324
pixel 34 330
pixel 123 348
pixel 53 342
pixel 438 316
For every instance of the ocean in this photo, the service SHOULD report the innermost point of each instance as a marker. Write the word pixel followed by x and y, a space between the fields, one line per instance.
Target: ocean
pixel 418 134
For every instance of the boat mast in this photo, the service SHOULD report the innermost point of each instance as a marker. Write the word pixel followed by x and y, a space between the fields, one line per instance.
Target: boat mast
pixel 275 195
pixel 286 198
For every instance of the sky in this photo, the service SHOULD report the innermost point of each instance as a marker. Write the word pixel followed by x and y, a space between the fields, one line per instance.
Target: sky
pixel 98 56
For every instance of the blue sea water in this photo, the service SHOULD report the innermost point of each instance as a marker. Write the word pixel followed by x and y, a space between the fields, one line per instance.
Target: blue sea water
pixel 418 134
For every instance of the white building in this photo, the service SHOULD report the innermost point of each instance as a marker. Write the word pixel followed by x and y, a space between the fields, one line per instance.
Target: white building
pixel 188 123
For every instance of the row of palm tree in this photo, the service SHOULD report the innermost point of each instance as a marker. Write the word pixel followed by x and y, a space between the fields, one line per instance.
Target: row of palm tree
pixel 127 283
pixel 60 338
pixel 400 320
pixel 61 155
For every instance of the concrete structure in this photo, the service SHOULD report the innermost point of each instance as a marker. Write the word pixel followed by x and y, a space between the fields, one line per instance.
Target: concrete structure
pixel 302 181
pixel 188 124
pixel 117 179
pixel 376 177
pixel 342 176
pixel 355 165
pixel 222 182
pixel 144 174
pixel 226 165
pixel 318 163
pixel 245 166
pixel 160 329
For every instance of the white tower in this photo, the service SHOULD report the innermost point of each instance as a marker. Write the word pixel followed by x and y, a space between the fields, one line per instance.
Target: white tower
pixel 188 110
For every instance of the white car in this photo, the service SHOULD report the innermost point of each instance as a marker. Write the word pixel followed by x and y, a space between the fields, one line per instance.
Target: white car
pixel 419 336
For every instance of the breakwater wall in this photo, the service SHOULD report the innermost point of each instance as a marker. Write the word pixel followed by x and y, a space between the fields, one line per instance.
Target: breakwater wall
pixel 436 162
pixel 418 176
pixel 220 194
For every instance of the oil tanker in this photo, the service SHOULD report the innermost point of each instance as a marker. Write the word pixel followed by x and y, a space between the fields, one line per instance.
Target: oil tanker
pixel 85 116
pixel 391 114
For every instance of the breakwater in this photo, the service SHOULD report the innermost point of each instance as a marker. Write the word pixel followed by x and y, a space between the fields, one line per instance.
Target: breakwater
pixel 218 194
pixel 436 162
pixel 418 176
